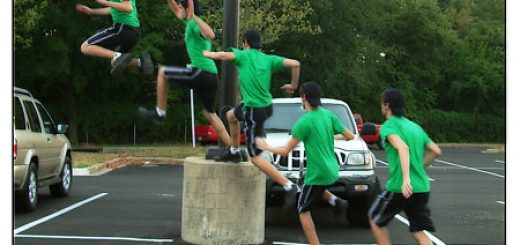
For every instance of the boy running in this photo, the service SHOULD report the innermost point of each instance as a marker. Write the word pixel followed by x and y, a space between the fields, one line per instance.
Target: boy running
pixel 255 69
pixel 202 77
pixel 408 187
pixel 316 129
pixel 116 42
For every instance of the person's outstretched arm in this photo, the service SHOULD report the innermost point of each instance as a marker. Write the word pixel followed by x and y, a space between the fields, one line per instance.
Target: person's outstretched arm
pixel 294 65
pixel 176 9
pixel 219 55
pixel 284 151
pixel 97 11
pixel 124 6
pixel 205 29
pixel 346 135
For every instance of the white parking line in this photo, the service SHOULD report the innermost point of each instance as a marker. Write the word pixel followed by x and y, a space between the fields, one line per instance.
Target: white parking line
pixel 499 161
pixel 387 165
pixel 292 243
pixel 503 203
pixel 56 214
pixel 432 237
pixel 470 168
pixel 97 238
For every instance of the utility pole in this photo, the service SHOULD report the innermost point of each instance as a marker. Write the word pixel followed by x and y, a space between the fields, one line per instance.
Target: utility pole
pixel 228 79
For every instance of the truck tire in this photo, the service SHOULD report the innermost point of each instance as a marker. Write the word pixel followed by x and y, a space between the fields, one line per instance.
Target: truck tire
pixel 27 198
pixel 62 188
pixel 357 211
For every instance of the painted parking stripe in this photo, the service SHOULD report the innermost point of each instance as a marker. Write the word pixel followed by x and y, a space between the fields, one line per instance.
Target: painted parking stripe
pixel 503 203
pixel 499 161
pixel 387 165
pixel 470 168
pixel 434 239
pixel 293 243
pixel 56 214
pixel 132 239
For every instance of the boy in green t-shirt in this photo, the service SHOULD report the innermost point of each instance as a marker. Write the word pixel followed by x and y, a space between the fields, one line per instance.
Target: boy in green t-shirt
pixel 316 129
pixel 408 187
pixel 116 42
pixel 201 76
pixel 255 70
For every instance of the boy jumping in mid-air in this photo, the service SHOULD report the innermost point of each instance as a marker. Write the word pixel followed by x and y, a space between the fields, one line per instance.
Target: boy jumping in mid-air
pixel 202 77
pixel 116 42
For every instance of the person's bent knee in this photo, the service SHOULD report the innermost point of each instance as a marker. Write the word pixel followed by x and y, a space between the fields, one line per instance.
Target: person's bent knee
pixel 85 47
pixel 230 115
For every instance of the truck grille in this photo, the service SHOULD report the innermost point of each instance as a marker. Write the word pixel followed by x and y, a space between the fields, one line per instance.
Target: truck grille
pixel 294 160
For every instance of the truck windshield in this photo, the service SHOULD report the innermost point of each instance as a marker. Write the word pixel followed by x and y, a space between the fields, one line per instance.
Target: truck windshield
pixel 285 116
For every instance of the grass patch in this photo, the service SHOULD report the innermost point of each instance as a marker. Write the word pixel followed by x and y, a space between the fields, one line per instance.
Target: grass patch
pixel 87 159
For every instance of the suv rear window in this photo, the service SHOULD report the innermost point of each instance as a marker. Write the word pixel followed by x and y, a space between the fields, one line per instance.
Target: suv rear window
pixel 19 117
pixel 33 117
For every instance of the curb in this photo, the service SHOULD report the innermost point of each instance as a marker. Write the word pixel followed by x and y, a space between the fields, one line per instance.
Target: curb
pixel 105 167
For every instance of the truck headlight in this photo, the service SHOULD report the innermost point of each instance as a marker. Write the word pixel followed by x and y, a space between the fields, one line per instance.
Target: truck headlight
pixel 361 159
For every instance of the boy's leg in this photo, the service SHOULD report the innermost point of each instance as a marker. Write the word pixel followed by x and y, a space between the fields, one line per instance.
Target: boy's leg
pixel 215 121
pixel 308 228
pixel 158 114
pixel 380 233
pixel 421 238
pixel 234 128
pixel 95 50
pixel 336 202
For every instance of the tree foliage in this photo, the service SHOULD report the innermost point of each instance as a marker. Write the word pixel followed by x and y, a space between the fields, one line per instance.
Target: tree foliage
pixel 447 56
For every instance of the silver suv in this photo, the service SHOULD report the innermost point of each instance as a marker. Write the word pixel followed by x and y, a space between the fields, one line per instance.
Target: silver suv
pixel 41 152
pixel 357 181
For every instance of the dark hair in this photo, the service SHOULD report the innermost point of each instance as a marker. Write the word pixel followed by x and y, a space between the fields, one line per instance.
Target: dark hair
pixel 196 6
pixel 312 92
pixel 253 38
pixel 394 98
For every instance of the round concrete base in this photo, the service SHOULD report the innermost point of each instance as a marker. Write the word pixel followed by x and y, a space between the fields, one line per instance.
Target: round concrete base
pixel 223 203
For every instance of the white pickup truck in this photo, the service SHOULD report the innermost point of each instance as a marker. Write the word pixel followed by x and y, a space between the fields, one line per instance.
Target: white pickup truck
pixel 357 181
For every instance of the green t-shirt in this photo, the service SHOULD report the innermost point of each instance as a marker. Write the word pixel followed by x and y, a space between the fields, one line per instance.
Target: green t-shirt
pixel 316 129
pixel 130 19
pixel 416 139
pixel 254 70
pixel 195 45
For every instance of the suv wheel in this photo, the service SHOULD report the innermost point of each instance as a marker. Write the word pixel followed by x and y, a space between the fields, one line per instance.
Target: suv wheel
pixel 27 198
pixel 357 211
pixel 62 188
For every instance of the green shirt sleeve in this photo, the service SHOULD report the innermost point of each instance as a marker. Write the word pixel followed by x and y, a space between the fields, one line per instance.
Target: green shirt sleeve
pixel 239 54
pixel 299 131
pixel 277 63
pixel 387 130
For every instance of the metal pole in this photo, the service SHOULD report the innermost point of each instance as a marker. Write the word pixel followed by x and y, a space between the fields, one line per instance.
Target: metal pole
pixel 192 119
pixel 228 89
pixel 134 134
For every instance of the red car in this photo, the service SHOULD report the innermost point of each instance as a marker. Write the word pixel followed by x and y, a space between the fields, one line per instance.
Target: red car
pixel 371 134
pixel 206 134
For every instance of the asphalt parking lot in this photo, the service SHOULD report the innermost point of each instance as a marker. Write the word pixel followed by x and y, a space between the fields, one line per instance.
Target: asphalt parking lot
pixel 141 204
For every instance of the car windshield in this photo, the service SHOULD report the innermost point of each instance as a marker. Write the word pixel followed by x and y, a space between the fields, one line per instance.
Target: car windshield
pixel 285 116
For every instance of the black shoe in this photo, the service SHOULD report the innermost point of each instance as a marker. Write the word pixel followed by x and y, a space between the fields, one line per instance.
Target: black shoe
pixel 120 64
pixel 151 115
pixel 229 157
pixel 290 197
pixel 339 206
pixel 146 64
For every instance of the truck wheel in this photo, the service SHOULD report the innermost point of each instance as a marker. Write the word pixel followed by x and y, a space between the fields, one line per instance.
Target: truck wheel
pixel 357 211
pixel 62 188
pixel 27 198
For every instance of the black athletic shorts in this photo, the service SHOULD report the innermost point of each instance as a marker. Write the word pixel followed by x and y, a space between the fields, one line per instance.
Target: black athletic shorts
pixel 204 84
pixel 310 196
pixel 388 204
pixel 120 38
pixel 253 119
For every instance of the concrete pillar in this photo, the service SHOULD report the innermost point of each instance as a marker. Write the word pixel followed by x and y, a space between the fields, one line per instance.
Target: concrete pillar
pixel 223 203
